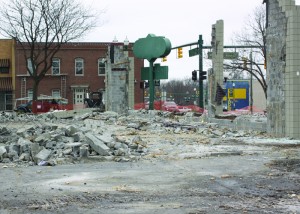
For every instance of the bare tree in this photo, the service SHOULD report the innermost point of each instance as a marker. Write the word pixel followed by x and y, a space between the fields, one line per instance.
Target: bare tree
pixel 252 35
pixel 40 27
pixel 181 89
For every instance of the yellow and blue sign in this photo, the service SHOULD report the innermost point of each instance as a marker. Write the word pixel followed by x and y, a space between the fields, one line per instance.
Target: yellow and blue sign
pixel 237 94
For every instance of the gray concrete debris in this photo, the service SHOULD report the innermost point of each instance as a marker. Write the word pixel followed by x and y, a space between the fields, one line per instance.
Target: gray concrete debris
pixel 43 155
pixel 65 137
pixel 97 144
pixel 3 152
pixel 83 153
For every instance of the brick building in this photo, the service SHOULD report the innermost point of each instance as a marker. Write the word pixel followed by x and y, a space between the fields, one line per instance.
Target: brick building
pixel 76 69
pixel 7 74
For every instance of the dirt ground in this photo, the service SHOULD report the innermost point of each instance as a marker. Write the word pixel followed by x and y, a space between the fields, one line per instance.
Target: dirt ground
pixel 184 173
pixel 265 182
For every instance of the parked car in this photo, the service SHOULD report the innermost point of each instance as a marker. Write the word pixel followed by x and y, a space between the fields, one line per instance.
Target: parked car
pixel 184 109
pixel 43 104
pixel 25 107
pixel 170 106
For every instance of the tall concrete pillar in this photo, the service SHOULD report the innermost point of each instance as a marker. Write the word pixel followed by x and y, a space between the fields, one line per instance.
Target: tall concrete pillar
pixel 116 81
pixel 283 63
pixel 131 82
pixel 215 75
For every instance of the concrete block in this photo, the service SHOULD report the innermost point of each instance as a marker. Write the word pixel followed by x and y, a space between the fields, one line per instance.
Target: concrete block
pixel 42 155
pixel 97 144
pixel 35 148
pixel 75 148
pixel 24 157
pixel 2 152
pixel 84 152
pixel 42 138
pixel 70 130
pixel 25 145
pixel 14 148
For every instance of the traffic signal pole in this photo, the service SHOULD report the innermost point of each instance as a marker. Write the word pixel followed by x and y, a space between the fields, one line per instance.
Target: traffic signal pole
pixel 151 85
pixel 201 93
pixel 200 52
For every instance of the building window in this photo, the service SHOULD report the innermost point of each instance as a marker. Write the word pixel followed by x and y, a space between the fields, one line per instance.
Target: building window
pixel 30 93
pixel 29 66
pixel 8 101
pixel 55 66
pixel 4 66
pixel 79 67
pixel 101 67
pixel 56 93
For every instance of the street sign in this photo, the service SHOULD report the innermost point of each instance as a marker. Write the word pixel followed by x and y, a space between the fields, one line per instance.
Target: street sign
pixel 226 55
pixel 159 72
pixel 193 52
pixel 231 55
pixel 152 47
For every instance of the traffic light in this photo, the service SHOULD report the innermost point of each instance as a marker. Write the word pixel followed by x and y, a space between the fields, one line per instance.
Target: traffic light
pixel 265 64
pixel 142 85
pixel 202 75
pixel 157 82
pixel 164 59
pixel 194 75
pixel 179 53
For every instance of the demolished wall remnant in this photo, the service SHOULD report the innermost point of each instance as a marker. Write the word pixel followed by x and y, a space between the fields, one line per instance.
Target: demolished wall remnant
pixel 283 62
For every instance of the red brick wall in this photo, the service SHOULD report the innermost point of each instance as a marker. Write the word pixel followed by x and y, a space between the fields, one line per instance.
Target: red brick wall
pixel 90 52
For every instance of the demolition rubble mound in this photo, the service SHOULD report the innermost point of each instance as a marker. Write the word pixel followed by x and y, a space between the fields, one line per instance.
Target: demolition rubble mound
pixel 47 139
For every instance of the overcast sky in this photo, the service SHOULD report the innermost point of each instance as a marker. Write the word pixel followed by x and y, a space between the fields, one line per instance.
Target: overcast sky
pixel 180 21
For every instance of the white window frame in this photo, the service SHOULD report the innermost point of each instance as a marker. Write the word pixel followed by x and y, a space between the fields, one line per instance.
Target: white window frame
pixel 56 68
pixel 101 67
pixel 56 93
pixel 30 93
pixel 29 66
pixel 78 68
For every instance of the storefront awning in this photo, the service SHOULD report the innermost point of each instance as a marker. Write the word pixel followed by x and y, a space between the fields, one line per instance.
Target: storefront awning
pixel 4 63
pixel 6 84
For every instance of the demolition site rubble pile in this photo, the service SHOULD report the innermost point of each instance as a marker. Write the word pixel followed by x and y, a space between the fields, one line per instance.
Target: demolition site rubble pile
pixel 47 139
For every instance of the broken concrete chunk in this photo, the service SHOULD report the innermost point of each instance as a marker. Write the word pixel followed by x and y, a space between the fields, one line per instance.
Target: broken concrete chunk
pixel 4 131
pixel 50 145
pixel 105 138
pixel 97 144
pixel 24 157
pixel 75 148
pixel 84 152
pixel 72 145
pixel 14 148
pixel 2 152
pixel 134 125
pixel 120 152
pixel 25 145
pixel 60 145
pixel 138 141
pixel 42 155
pixel 70 130
pixel 42 138
pixel 35 148
pixel 67 151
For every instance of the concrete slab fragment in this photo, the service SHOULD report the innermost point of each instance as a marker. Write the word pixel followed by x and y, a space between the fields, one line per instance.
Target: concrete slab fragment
pixel 97 144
